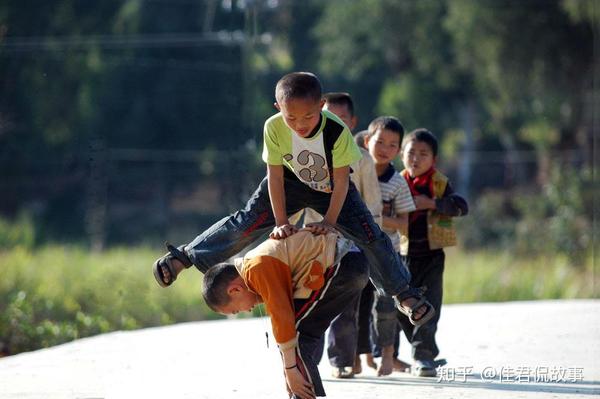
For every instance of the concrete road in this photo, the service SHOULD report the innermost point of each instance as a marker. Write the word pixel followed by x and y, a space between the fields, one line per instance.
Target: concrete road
pixel 544 349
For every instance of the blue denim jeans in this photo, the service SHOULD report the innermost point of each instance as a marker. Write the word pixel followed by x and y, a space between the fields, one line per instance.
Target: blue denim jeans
pixel 350 332
pixel 426 271
pixel 342 336
pixel 232 234
pixel 386 327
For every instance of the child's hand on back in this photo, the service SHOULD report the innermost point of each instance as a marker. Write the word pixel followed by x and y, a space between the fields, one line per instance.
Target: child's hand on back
pixel 321 227
pixel 424 202
pixel 283 231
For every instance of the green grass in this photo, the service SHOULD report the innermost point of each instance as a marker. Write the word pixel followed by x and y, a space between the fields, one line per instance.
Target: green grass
pixel 502 276
pixel 56 294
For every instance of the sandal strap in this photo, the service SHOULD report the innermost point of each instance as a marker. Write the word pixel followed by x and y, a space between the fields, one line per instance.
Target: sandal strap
pixel 179 255
pixel 412 292
pixel 417 305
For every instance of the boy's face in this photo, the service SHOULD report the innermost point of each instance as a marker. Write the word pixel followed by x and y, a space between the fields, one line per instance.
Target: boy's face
pixel 301 114
pixel 417 157
pixel 383 146
pixel 241 299
pixel 342 111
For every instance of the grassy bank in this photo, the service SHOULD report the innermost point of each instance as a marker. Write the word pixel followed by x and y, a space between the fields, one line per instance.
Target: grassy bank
pixel 501 276
pixel 56 294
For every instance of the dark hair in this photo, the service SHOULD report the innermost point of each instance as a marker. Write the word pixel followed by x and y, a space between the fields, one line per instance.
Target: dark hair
pixel 340 98
pixel 359 138
pixel 301 85
pixel 424 136
pixel 216 280
pixel 388 123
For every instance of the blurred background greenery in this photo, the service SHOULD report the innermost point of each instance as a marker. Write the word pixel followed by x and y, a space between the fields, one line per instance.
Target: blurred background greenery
pixel 125 123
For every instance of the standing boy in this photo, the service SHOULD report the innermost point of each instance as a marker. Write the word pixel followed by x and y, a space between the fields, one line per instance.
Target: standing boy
pixel 308 152
pixel 348 335
pixel 429 231
pixel 304 280
pixel 383 141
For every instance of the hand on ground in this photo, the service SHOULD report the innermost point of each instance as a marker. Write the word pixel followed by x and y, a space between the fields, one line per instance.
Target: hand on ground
pixel 298 385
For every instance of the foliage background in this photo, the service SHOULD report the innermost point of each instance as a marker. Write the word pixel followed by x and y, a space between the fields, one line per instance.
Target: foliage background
pixel 125 123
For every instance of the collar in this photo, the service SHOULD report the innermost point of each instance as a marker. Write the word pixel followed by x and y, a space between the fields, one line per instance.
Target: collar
pixel 388 174
pixel 317 128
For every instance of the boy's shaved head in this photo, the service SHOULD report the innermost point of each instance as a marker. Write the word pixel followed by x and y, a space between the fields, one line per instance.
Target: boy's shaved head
pixel 298 85
pixel 216 280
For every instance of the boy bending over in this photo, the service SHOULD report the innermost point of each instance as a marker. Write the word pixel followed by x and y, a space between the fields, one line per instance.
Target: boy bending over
pixel 305 281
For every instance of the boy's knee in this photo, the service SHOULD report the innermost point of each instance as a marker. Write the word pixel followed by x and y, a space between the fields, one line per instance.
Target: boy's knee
pixel 357 270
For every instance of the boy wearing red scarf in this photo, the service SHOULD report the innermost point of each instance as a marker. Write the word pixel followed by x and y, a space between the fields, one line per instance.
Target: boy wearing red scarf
pixel 429 231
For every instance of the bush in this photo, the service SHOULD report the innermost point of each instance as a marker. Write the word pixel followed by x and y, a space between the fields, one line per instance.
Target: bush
pixel 21 232
pixel 56 294
pixel 534 222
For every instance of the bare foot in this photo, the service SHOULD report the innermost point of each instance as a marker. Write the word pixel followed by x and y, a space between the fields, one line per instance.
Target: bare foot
pixel 176 264
pixel 357 368
pixel 400 366
pixel 409 302
pixel 371 361
pixel 387 361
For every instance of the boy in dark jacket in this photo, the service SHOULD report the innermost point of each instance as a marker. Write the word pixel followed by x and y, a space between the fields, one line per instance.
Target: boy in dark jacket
pixel 429 231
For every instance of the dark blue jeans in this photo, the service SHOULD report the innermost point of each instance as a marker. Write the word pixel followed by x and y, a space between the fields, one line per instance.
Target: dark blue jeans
pixel 342 336
pixel 312 319
pixel 426 271
pixel 386 327
pixel 350 332
pixel 232 234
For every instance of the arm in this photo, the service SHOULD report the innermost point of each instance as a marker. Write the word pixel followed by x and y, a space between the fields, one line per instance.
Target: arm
pixel 370 191
pixel 271 279
pixel 396 216
pixel 451 204
pixel 283 228
pixel 341 177
pixel 398 222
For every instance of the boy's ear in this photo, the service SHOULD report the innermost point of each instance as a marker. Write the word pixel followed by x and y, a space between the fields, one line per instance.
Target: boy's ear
pixel 366 140
pixel 277 106
pixel 235 287
pixel 322 103
pixel 353 122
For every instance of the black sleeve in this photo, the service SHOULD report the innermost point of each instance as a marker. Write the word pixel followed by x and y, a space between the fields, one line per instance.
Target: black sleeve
pixel 451 204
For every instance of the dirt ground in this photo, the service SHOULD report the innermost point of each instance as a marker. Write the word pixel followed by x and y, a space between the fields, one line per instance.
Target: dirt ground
pixel 543 349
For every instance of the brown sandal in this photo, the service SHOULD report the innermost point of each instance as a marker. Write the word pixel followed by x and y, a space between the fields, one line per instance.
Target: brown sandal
pixel 165 261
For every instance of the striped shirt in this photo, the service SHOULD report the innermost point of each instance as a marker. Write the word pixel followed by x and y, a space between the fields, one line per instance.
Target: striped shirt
pixel 395 193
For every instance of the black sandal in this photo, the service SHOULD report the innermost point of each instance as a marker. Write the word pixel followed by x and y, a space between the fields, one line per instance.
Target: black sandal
pixel 410 311
pixel 165 261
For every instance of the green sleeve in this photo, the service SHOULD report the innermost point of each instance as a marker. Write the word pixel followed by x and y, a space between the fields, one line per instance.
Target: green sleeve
pixel 345 150
pixel 271 154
